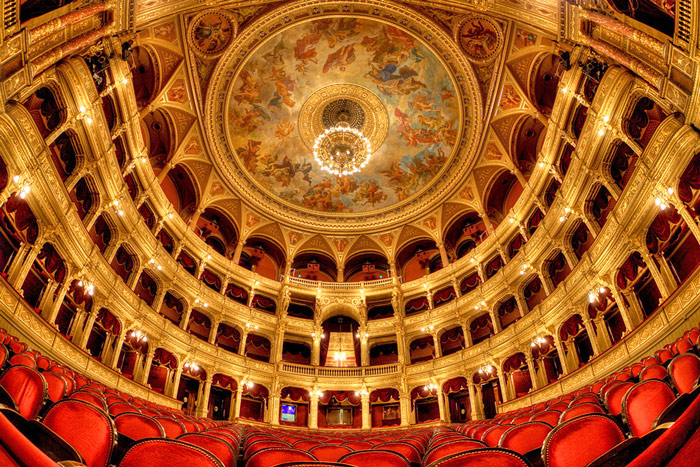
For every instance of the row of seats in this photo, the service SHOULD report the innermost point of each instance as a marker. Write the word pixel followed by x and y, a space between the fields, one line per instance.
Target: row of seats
pixel 50 413
pixel 648 414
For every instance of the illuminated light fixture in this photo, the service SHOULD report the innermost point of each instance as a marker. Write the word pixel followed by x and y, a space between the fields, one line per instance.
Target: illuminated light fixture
pixel 316 393
pixel 524 268
pixel 511 219
pixel 538 341
pixel 198 301
pixel 82 108
pixel 486 369
pixel 125 80
pixel 564 90
pixel 191 366
pixel 251 326
pixel 363 392
pixel 88 120
pixel 427 328
pixel 342 150
pixel 139 336
pixel 601 132
pixel 144 159
pixel 247 384
pixel 340 357
pixel 430 387
pixel 606 119
pixel 358 334
pixel 170 215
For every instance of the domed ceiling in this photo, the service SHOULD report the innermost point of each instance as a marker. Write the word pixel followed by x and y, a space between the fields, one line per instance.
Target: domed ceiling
pixel 379 66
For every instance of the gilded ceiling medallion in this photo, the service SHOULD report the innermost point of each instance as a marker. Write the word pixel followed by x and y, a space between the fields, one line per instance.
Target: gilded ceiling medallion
pixel 322 110
pixel 481 38
pixel 211 32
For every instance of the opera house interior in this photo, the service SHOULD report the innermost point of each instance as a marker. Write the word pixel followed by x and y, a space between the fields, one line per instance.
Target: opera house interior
pixel 387 233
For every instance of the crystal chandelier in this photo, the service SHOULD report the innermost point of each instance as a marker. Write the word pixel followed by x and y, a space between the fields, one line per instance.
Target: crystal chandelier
pixel 342 149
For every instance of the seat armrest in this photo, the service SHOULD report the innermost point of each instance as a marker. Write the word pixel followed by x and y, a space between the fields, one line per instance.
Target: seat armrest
pixel 620 455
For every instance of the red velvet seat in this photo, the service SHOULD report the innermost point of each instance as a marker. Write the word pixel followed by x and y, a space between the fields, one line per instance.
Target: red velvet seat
pixel 28 389
pixel 684 371
pixel 17 347
pixel 493 435
pixel 613 399
pixel 264 444
pixel 526 437
pixel 307 444
pixel 559 406
pixel 551 417
pixel 606 387
pixel 330 452
pixel 17 451
pixel 313 464
pixel 22 359
pixel 643 403
pixel 172 427
pixel 664 355
pixel 653 372
pixel 356 445
pixel 684 346
pixel 273 456
pixel 579 441
pixel 488 457
pixel 374 458
pixel 587 398
pixel 70 419
pixel 217 446
pixel 580 409
pixel 138 426
pixel 90 398
pixel 56 386
pixel 447 437
pixel 678 446
pixel 167 453
pixel 121 407
pixel 405 449
pixel 443 450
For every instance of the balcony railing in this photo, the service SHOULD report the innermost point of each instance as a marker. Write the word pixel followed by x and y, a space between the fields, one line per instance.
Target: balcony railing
pixel 349 372
pixel 349 286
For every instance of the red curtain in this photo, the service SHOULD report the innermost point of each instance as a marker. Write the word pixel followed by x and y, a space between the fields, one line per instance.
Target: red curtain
pixel 340 396
pixel 384 395
pixel 295 394
pixel 470 283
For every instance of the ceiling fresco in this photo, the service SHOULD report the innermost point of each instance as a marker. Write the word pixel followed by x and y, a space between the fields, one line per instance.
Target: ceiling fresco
pixel 399 71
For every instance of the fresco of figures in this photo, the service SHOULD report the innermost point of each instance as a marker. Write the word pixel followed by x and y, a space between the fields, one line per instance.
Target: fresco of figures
pixel 415 88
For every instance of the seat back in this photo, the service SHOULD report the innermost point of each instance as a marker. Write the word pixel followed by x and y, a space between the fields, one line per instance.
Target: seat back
pixel 264 444
pixel 579 441
pixel 273 456
pixel 491 457
pixel 493 435
pixel 614 396
pixel 85 427
pixel 91 398
pixel 22 359
pixel 138 426
pixel 374 458
pixel 580 409
pixel 27 387
pixel 683 346
pixel 446 449
pixel 405 449
pixel 526 437
pixel 551 417
pixel 643 403
pixel 217 446
pixel 329 452
pixel 306 444
pixel 172 427
pixel 17 451
pixel 684 371
pixel 653 372
pixel 356 445
pixel 56 386
pixel 160 452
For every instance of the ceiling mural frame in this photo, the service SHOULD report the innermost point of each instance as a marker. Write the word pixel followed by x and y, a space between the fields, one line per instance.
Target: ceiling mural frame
pixel 431 35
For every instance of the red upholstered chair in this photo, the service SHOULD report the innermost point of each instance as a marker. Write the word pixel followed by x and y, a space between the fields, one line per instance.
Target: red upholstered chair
pixel 417 442
pixel 592 398
pixel 226 435
pixel 4 355
pixel 443 438
pixel 56 385
pixel 252 438
pixel 579 441
pixel 580 409
pixel 559 406
pixel 28 389
pixel 17 451
pixel 313 464
pixel 138 426
pixel 551 417
pixel 664 355
pixel 355 445
pixel 446 449
pixel 526 437
pixel 493 435
pixel 167 453
pixel 684 346
pixel 22 359
pixel 329 452
pixel 521 419
pixel 488 457
pixel 85 427
pixel 643 403
pixel 374 458
pixel 405 449
pixel 479 434
pixel 678 446
pixel 273 456
pixel 217 446
pixel 121 407
pixel 43 363
pixel 606 387
pixel 17 347
pixel 613 399
pixel 307 444
pixel 90 398
pixel 264 444
pixel 653 372
pixel 172 427
pixel 684 371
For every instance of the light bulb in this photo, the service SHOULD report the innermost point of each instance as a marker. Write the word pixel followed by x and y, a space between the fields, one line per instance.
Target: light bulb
pixel 15 178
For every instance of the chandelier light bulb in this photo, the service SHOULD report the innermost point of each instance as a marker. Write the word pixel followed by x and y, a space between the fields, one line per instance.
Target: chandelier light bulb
pixel 15 178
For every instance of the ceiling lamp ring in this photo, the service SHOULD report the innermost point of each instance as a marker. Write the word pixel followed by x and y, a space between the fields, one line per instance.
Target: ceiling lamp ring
pixel 342 150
